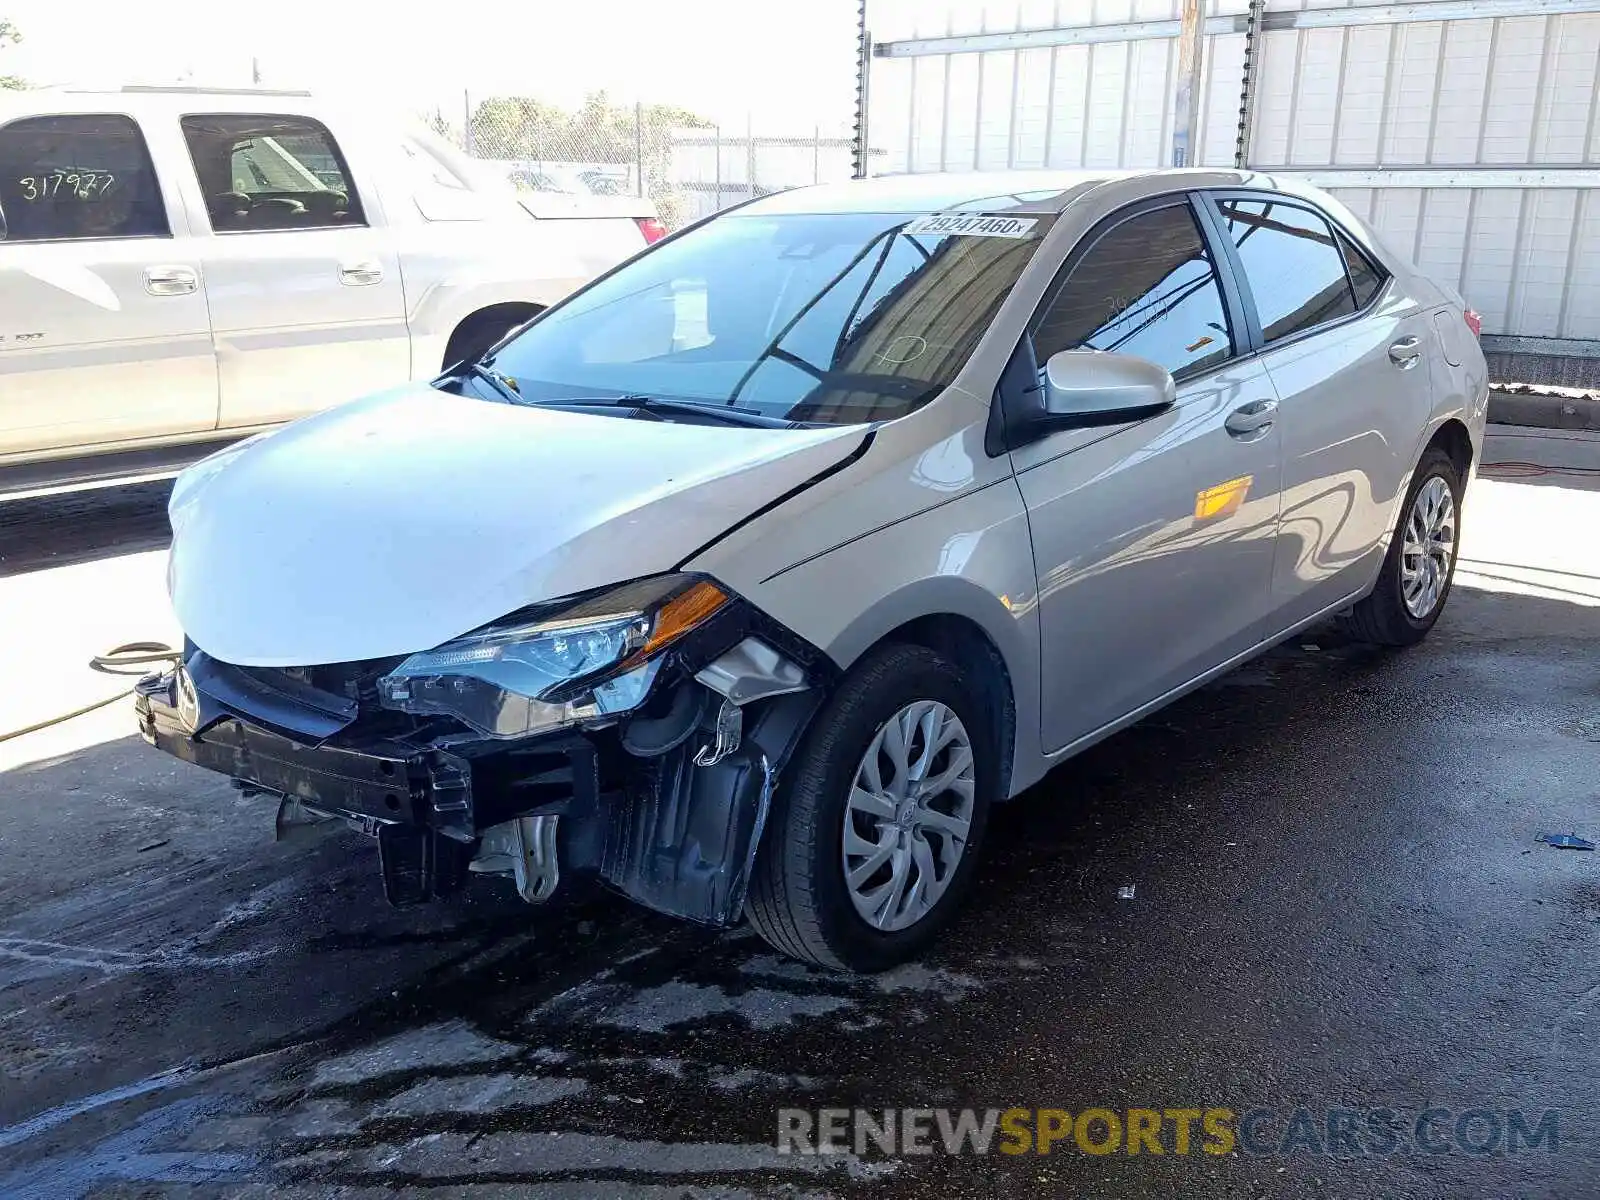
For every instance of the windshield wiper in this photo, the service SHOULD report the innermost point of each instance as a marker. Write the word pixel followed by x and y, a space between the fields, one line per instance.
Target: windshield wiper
pixel 731 414
pixel 503 386
pixel 727 414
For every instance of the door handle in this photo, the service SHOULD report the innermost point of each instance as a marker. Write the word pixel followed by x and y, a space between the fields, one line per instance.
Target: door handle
pixel 360 274
pixel 171 281
pixel 1251 421
pixel 1406 353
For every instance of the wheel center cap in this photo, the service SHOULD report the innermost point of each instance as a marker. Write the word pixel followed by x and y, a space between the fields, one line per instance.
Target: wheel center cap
pixel 906 817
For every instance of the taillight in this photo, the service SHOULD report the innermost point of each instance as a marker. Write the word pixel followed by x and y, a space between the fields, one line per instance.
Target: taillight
pixel 652 228
pixel 1474 323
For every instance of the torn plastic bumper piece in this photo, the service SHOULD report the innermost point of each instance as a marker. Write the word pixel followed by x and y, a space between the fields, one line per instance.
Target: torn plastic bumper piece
pixel 686 844
pixel 668 806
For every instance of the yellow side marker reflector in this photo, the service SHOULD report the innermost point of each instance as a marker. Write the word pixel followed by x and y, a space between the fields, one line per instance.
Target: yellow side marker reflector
pixel 1223 500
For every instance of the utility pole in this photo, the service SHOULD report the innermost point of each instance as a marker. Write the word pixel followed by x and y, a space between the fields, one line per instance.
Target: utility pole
pixel 1186 90
pixel 638 143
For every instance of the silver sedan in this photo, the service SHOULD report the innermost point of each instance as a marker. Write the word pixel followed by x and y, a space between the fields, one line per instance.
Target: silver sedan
pixel 752 575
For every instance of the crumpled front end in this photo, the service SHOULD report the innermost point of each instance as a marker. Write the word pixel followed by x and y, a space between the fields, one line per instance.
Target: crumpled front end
pixel 654 771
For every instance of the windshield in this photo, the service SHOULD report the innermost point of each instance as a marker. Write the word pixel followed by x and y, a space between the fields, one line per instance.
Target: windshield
pixel 833 318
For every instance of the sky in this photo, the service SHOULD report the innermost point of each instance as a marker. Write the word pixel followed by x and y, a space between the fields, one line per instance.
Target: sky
pixel 784 65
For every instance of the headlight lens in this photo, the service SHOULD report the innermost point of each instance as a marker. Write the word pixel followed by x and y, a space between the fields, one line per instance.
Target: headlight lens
pixel 501 679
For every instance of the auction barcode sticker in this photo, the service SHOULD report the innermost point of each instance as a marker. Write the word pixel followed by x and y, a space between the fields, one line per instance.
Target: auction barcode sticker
pixel 969 226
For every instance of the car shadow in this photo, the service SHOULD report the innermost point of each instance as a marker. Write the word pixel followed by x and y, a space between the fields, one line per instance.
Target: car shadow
pixel 39 532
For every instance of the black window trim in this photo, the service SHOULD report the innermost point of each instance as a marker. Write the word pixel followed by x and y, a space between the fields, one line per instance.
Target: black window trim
pixel 1023 366
pixel 1352 246
pixel 333 144
pixel 155 173
pixel 1210 200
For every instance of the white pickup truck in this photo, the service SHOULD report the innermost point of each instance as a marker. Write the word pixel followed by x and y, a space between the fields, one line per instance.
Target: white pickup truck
pixel 180 266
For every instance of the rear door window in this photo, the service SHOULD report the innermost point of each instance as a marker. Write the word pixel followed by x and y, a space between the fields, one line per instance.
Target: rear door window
pixel 69 178
pixel 262 173
pixel 1293 263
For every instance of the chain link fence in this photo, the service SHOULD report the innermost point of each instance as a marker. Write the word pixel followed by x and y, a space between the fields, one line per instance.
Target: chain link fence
pixel 688 165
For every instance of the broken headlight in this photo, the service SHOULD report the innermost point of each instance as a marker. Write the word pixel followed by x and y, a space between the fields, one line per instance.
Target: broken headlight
pixel 563 665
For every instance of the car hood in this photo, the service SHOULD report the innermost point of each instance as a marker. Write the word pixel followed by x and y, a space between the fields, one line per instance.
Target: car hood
pixel 398 522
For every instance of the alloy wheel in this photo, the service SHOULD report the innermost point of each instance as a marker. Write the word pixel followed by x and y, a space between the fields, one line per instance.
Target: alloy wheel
pixel 909 815
pixel 1427 548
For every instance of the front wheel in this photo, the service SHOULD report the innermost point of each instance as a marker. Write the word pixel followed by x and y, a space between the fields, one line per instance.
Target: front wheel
pixel 874 837
pixel 1421 562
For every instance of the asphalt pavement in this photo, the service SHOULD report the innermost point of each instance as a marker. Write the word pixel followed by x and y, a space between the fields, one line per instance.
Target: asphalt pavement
pixel 1314 886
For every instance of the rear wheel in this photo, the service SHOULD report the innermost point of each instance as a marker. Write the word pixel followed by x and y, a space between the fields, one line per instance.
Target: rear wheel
pixel 1421 563
pixel 874 837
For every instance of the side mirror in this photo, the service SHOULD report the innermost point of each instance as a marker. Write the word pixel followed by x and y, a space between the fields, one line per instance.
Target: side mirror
pixel 1084 388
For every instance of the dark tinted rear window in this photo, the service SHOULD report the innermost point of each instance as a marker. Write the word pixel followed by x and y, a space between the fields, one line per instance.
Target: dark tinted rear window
pixel 70 177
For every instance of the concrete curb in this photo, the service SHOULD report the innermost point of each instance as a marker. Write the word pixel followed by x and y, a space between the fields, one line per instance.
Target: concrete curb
pixel 1544 410
pixel 1554 449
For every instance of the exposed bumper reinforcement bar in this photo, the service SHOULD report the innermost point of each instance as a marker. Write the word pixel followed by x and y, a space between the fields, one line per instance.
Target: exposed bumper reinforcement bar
pixel 379 784
pixel 668 807
pixel 417 805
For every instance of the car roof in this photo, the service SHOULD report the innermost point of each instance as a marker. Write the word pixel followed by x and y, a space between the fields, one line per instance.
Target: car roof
pixel 159 101
pixel 1025 191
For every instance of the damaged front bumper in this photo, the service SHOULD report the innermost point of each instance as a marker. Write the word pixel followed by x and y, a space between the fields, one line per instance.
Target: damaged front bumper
pixel 666 805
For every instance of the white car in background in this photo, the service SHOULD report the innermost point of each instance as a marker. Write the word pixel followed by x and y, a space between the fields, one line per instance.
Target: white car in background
pixel 180 266
pixel 567 179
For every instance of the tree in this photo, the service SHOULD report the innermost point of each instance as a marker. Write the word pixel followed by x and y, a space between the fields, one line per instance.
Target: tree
pixel 10 37
pixel 519 127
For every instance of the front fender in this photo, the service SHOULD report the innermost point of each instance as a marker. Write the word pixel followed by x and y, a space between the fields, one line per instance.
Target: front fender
pixel 971 558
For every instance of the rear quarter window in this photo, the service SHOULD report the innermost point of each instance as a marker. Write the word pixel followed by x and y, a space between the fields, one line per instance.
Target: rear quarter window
pixel 1365 277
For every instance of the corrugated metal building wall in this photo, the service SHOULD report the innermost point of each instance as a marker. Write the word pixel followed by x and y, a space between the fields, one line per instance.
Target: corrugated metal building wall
pixel 1465 130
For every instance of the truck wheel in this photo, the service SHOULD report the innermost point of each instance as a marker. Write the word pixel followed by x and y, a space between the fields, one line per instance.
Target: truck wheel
pixel 874 835
pixel 474 336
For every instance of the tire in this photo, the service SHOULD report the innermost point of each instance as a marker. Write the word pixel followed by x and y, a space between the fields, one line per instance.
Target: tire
pixel 800 900
pixel 1385 618
pixel 472 340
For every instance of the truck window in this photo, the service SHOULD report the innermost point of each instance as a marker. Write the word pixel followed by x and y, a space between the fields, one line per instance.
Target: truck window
pixel 65 178
pixel 262 173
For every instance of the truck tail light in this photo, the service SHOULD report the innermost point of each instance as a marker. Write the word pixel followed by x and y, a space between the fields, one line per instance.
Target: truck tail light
pixel 652 228
pixel 1474 323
